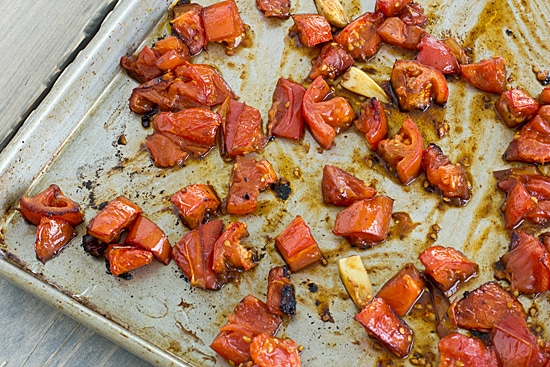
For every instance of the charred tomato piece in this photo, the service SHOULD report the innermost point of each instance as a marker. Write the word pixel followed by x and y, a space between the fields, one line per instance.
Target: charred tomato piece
pixel 457 349
pixel 297 245
pixel 249 319
pixel 123 259
pixel 51 237
pixel 343 189
pixel 447 267
pixel 145 234
pixel 384 325
pixel 312 29
pixel 195 203
pixel 488 75
pixel 229 253
pixel 248 178
pixel 51 203
pixel 223 23
pixel 115 217
pixel 372 122
pixel 332 62
pixel 188 24
pixel 516 107
pixel 365 222
pixel 285 115
pixel 267 350
pixel 359 38
pixel 403 290
pixel 281 297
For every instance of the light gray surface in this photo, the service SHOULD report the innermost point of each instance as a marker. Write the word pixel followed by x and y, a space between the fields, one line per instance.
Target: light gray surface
pixel 39 39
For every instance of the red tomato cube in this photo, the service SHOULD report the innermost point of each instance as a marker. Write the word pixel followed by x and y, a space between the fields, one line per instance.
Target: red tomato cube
pixel 297 245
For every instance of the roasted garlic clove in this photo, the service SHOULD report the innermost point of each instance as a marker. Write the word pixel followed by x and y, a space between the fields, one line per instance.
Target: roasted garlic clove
pixel 333 11
pixel 357 81
pixel 356 280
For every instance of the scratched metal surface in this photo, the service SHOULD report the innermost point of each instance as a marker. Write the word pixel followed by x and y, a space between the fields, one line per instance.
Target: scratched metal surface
pixel 72 140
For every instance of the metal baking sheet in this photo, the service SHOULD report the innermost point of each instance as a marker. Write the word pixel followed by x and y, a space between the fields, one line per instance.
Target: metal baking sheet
pixel 72 139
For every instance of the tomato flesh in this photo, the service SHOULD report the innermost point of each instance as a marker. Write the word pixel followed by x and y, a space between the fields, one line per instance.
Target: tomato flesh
pixel 267 351
pixel 195 203
pixel 516 107
pixel 488 75
pixel 297 245
pixel 164 151
pixel 381 322
pixel 230 254
pixel 403 290
pixel 372 122
pixel 395 32
pixel 437 54
pixel 359 38
pixel 332 62
pixel 285 115
pixel 312 29
pixel 281 297
pixel 365 222
pixel 123 259
pixel 223 23
pixel 115 217
pixel 457 349
pixel 532 143
pixel 51 237
pixel 145 234
pixel 274 8
pixel 188 24
pixel 391 8
pixel 343 189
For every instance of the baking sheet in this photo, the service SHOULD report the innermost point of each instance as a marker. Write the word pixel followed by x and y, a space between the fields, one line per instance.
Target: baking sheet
pixel 73 140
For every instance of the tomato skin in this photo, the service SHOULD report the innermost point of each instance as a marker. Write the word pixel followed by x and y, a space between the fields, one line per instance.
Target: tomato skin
pixel 544 97
pixel 145 234
pixel 365 222
pixel 343 189
pixel 115 217
pixel 230 254
pixel 249 319
pixel 516 107
pixel 488 75
pixel 450 178
pixel 223 23
pixel 359 38
pixel 485 306
pixel 274 8
pixel 270 351
pixel 248 178
pixel 281 297
pixel 372 122
pixel 415 85
pixel 242 128
pixel 297 245
pixel 413 14
pixel 312 29
pixel 382 323
pixel 188 24
pixel 332 62
pixel 404 152
pixel 194 255
pixel 436 54
pixel 457 348
pixel 195 203
pixel 325 117
pixel 526 265
pixel 532 143
pixel 51 203
pixel 403 290
pixel 395 32
pixel 518 203
pixel 447 267
pixel 391 8
pixel 285 115
pixel 164 151
pixel 123 259
pixel 51 237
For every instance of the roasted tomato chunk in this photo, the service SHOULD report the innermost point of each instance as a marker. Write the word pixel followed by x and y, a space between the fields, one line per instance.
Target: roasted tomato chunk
pixel 249 319
pixel 526 265
pixel 281 297
pixel 365 222
pixel 123 259
pixel 242 128
pixel 332 62
pixel 413 14
pixel 223 23
pixel 485 306
pixel 381 322
pixel 343 189
pixel 447 267
pixel 516 107
pixel 437 54
pixel 403 152
pixel 165 151
pixel 51 203
pixel 297 245
pixel 515 345
pixel 544 97
pixel 457 349
pixel 229 253
pixel 312 29
pixel 403 290
pixel 165 55
pixel 51 237
pixel 285 115
pixel 145 234
pixel 115 217
pixel 531 144
pixel 395 32
pixel 359 38
pixel 194 254
pixel 372 122
pixel 274 8
pixel 269 350
pixel 415 85
pixel 195 203
pixel 248 178
pixel 325 117
pixel 488 75
pixel 391 8
pixel 188 24
pixel 449 178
